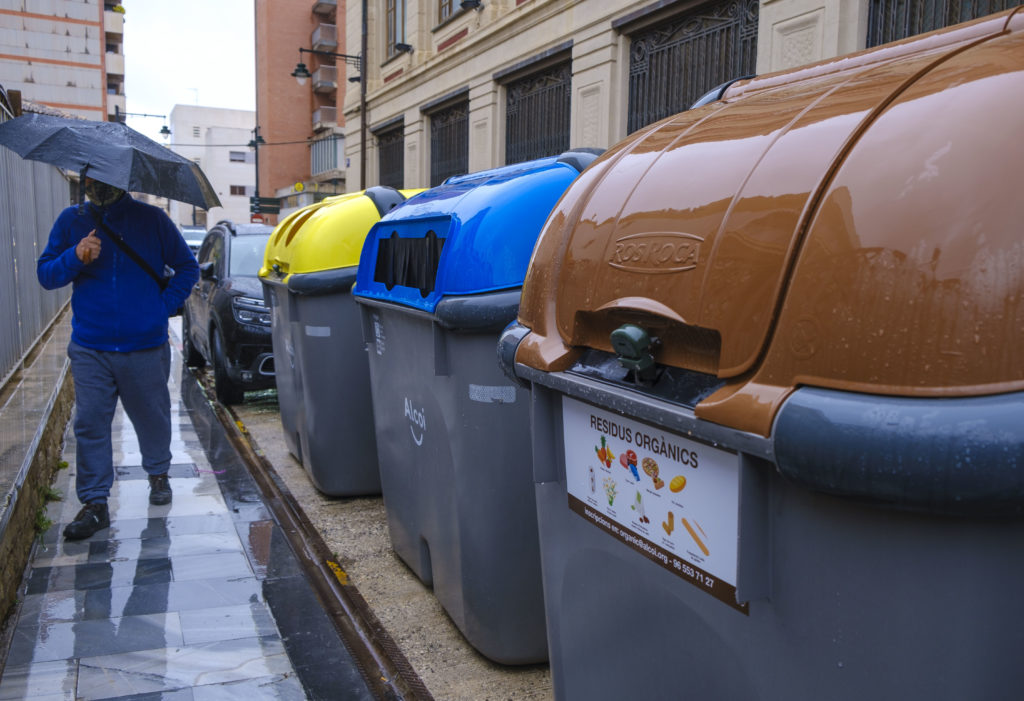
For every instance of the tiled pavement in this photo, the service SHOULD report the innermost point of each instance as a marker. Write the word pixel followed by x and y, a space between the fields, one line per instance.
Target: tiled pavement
pixel 199 599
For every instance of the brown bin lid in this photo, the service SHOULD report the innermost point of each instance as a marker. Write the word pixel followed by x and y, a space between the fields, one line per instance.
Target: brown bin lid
pixel 854 224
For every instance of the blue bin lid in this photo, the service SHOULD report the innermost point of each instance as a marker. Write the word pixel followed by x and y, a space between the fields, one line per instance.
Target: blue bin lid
pixel 472 234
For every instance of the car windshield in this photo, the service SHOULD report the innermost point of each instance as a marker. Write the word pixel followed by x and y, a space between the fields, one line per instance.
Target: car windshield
pixel 247 254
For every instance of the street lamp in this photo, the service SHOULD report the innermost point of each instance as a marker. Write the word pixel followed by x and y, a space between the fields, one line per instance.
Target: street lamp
pixel 255 144
pixel 119 117
pixel 302 74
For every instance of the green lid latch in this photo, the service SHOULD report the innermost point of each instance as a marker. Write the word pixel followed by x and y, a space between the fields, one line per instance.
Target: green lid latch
pixel 632 345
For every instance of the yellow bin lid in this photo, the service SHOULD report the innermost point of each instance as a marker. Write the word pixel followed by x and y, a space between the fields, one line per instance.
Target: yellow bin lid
pixel 328 234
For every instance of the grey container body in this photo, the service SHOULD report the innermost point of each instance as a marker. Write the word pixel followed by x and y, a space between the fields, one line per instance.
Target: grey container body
pixel 324 393
pixel 846 600
pixel 454 449
pixel 286 368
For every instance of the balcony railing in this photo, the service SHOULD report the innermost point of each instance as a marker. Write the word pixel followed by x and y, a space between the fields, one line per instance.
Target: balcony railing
pixel 325 37
pixel 324 117
pixel 324 7
pixel 113 22
pixel 115 63
pixel 326 154
pixel 325 79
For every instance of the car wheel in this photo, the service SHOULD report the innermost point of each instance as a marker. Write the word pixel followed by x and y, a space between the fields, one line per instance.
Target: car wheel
pixel 193 358
pixel 227 391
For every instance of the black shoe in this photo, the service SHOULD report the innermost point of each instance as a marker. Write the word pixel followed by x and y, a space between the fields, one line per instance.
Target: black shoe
pixel 159 490
pixel 92 518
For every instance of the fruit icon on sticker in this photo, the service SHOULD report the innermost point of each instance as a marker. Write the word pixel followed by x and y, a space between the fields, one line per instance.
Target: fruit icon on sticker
pixel 651 470
pixel 669 524
pixel 604 453
pixel 628 460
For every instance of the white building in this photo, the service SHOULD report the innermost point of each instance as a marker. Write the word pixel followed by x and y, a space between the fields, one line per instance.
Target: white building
pixel 65 54
pixel 217 139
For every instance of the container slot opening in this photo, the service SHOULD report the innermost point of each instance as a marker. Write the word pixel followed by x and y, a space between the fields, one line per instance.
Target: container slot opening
pixel 676 385
pixel 681 345
pixel 409 262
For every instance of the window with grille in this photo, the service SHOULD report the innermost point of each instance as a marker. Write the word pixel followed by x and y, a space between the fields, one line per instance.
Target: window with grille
pixel 238 189
pixel 892 20
pixel 674 63
pixel 537 114
pixel 195 132
pixel 449 142
pixel 391 156
pixel 394 25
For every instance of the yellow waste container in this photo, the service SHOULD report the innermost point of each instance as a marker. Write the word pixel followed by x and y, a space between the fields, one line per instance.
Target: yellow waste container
pixel 323 382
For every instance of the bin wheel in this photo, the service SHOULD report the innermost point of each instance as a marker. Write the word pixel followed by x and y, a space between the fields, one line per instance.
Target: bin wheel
pixel 193 358
pixel 226 390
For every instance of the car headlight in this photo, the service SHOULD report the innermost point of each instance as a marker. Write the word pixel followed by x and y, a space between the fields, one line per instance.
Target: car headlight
pixel 250 310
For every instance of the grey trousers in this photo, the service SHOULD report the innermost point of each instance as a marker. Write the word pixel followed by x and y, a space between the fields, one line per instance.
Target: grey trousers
pixel 139 379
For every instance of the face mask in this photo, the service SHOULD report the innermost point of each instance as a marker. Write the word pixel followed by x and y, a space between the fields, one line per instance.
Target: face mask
pixel 101 194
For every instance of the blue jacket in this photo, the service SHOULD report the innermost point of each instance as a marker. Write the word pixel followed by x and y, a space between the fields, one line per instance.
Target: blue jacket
pixel 115 304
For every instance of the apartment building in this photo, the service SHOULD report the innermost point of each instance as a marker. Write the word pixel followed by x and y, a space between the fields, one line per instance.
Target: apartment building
pixel 301 155
pixel 455 86
pixel 218 141
pixel 65 54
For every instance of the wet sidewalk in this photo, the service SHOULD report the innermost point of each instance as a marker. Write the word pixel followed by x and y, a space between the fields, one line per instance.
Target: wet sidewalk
pixel 199 599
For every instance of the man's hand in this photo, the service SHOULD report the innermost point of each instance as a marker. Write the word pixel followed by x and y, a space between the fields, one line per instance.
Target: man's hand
pixel 88 249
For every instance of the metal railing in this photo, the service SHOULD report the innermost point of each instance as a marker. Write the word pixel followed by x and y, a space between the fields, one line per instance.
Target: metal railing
pixel 449 142
pixel 671 65
pixel 537 112
pixel 33 194
pixel 391 156
pixel 891 20
pixel 326 154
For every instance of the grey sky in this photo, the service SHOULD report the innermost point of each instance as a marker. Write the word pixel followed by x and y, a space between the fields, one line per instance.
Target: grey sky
pixel 193 52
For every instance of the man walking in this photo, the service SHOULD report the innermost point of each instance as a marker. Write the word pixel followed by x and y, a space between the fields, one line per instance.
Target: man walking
pixel 119 342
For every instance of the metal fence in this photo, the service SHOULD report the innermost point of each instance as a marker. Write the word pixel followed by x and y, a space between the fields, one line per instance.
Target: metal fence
pixel 33 195
pixel 537 114
pixel 391 156
pixel 891 20
pixel 449 142
pixel 671 65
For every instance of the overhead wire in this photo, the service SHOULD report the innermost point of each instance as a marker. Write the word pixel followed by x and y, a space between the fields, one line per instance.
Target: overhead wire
pixel 263 145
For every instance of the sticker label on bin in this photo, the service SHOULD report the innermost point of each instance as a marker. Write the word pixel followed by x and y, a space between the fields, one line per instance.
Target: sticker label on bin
pixel 672 499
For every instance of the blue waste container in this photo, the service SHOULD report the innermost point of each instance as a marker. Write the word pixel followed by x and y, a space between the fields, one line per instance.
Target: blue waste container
pixel 438 279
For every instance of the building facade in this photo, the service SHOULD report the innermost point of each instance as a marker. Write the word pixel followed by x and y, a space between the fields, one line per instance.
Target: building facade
pixel 65 54
pixel 456 86
pixel 218 141
pixel 301 157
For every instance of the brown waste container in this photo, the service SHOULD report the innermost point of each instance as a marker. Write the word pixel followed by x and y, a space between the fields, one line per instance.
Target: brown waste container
pixel 775 352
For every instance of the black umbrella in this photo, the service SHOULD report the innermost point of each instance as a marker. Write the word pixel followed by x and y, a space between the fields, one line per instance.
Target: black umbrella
pixel 110 152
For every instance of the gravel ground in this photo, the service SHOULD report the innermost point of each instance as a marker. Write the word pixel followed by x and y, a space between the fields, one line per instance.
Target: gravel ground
pixel 356 531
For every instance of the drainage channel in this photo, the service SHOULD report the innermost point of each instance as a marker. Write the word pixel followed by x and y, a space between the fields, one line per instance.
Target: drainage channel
pixel 388 673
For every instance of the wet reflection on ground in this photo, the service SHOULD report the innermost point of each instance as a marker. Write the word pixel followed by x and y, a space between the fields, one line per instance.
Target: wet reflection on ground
pixel 199 599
